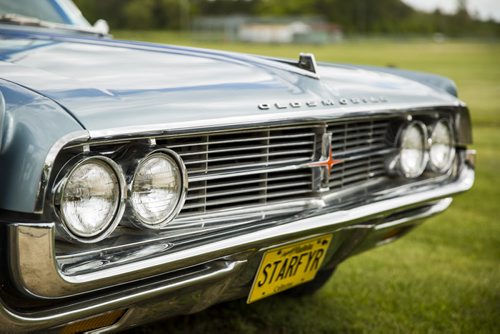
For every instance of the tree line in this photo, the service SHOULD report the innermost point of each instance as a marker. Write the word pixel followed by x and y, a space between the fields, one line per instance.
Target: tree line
pixel 354 16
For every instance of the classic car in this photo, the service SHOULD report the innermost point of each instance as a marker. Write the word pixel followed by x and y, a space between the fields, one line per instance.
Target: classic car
pixel 143 181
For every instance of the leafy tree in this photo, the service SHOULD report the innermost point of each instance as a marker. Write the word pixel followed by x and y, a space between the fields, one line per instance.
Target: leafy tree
pixel 354 16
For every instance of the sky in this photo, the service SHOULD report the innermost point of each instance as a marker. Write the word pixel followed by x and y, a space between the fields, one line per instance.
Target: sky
pixel 485 9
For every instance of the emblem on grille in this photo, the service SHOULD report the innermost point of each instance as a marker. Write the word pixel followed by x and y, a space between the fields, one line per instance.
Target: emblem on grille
pixel 327 161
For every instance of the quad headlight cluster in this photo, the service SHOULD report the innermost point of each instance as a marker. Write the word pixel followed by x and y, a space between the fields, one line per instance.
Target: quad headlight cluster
pixel 94 193
pixel 422 147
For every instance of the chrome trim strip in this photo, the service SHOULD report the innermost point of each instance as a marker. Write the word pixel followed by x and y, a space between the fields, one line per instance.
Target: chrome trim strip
pixel 35 270
pixel 49 164
pixel 329 114
pixel 435 209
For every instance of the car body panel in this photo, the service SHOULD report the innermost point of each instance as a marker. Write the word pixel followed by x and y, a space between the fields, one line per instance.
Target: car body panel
pixel 32 124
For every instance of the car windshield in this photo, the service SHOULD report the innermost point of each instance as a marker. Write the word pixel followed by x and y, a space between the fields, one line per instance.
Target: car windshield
pixel 56 11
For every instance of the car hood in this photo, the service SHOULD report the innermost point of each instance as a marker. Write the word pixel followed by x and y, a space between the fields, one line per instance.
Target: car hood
pixel 109 84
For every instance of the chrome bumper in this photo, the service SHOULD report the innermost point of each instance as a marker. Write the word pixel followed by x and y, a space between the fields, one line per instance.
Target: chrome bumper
pixel 207 270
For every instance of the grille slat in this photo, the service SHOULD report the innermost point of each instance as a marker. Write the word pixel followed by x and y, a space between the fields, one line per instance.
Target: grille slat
pixel 239 183
pixel 350 126
pixel 350 171
pixel 240 199
pixel 366 142
pixel 236 149
pixel 229 141
pixel 355 179
pixel 252 165
pixel 348 135
pixel 250 156
pixel 359 150
pixel 249 189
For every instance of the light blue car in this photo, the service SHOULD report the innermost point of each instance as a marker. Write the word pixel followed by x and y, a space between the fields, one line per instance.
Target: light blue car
pixel 141 181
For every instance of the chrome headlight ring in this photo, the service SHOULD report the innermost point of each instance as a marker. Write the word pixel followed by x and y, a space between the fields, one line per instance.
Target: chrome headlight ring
pixel 137 208
pixel 442 142
pixel 65 208
pixel 413 154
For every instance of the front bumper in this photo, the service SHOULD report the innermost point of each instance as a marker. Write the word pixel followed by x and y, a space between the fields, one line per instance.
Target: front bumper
pixel 192 279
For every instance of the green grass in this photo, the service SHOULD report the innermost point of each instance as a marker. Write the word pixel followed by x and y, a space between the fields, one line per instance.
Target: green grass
pixel 444 276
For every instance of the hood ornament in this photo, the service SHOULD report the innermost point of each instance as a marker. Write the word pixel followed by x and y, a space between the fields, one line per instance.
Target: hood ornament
pixel 307 62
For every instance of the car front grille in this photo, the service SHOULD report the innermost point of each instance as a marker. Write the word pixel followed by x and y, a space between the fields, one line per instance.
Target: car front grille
pixel 248 167
pixel 252 167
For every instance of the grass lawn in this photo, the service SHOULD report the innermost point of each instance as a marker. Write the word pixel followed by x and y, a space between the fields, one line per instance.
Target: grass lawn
pixel 443 277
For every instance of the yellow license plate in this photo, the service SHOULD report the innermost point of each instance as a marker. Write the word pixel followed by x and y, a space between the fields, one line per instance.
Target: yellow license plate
pixel 288 266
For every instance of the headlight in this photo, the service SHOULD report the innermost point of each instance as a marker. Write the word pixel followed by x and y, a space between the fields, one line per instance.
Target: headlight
pixel 158 189
pixel 90 199
pixel 442 151
pixel 412 154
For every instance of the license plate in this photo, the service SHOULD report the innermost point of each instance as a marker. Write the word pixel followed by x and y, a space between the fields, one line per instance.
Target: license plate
pixel 288 266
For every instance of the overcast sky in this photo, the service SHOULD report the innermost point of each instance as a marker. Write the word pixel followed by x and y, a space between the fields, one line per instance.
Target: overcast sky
pixel 486 9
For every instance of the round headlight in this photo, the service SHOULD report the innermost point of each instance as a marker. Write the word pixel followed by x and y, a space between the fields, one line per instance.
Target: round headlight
pixel 90 199
pixel 442 152
pixel 157 190
pixel 412 154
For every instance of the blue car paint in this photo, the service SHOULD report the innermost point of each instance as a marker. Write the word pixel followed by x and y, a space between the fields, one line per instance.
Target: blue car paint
pixel 31 125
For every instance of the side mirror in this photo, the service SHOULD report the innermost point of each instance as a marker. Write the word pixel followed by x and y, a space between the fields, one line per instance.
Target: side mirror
pixel 102 26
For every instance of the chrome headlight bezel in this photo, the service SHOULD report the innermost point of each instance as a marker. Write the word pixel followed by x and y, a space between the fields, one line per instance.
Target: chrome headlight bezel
pixel 452 150
pixel 425 156
pixel 132 213
pixel 67 171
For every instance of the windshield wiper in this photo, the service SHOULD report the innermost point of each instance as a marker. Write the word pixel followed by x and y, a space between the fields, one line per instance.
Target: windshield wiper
pixel 16 19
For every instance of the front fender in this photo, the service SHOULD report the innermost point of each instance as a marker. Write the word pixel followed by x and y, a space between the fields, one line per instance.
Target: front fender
pixel 30 124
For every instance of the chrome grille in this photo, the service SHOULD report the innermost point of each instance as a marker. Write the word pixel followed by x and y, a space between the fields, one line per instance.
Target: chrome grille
pixel 243 168
pixel 252 167
pixel 362 145
pixel 262 188
pixel 244 150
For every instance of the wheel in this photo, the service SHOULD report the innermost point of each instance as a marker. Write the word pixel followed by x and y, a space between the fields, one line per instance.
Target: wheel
pixel 313 286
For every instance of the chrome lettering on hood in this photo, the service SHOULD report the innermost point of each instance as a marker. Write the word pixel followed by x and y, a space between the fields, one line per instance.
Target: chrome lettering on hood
pixel 324 103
